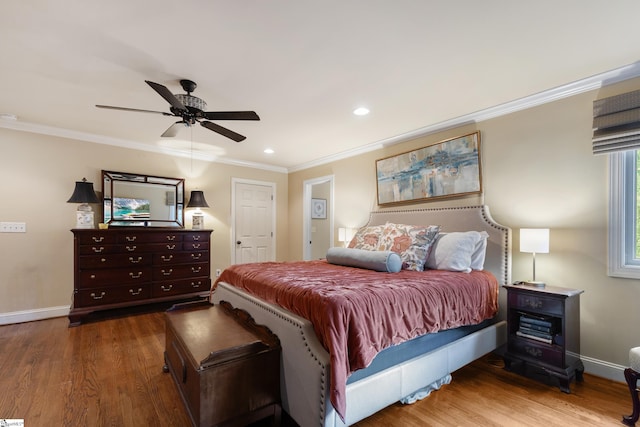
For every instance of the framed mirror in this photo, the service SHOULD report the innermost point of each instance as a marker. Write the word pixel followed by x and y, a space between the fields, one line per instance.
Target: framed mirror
pixel 134 200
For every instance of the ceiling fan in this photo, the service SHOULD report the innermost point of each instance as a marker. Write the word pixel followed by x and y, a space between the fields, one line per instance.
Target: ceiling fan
pixel 190 109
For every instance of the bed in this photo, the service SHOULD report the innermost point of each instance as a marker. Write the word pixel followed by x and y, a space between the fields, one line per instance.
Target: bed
pixel 394 374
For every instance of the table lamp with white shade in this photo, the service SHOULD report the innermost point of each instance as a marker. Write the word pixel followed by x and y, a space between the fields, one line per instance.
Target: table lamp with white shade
pixel 534 240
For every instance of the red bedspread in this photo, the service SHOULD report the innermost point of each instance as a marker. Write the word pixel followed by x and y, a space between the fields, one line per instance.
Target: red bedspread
pixel 356 313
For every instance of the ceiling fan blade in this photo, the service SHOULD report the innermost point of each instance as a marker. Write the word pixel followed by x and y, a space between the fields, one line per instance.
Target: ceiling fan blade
pixel 173 129
pixel 166 94
pixel 230 115
pixel 223 131
pixel 133 109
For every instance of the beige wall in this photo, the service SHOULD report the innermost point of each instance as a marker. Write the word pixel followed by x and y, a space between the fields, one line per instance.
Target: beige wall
pixel 538 171
pixel 37 175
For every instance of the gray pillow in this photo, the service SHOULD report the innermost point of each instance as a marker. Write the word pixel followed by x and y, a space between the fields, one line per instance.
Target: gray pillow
pixel 387 261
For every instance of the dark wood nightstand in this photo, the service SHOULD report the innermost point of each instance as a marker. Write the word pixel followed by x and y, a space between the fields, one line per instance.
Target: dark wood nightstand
pixel 543 327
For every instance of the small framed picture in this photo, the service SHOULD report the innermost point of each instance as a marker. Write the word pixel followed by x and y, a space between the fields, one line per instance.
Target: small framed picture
pixel 318 209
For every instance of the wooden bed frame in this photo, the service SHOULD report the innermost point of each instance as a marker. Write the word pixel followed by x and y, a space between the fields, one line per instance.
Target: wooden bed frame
pixel 305 363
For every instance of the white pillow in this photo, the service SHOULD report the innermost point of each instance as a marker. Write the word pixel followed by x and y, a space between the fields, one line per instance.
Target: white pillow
pixel 453 251
pixel 478 256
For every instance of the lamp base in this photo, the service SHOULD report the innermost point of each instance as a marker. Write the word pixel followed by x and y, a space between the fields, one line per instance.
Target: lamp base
pixel 84 219
pixel 535 284
pixel 197 222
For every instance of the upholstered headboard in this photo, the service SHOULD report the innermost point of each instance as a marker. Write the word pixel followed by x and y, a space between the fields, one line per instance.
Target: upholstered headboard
pixel 467 218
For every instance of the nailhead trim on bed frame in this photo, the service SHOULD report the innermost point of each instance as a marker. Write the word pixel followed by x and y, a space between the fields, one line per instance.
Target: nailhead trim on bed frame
pixel 311 354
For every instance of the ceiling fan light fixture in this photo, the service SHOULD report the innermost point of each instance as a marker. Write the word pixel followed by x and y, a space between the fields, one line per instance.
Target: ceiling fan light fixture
pixel 191 101
pixel 361 111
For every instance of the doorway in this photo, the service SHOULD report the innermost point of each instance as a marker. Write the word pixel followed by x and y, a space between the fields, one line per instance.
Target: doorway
pixel 253 221
pixel 317 214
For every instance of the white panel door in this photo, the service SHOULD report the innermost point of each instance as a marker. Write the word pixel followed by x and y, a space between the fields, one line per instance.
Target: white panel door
pixel 253 223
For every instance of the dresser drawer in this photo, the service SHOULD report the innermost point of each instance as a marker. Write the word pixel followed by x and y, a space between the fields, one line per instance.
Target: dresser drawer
pixel 541 352
pixel 101 277
pixel 182 271
pixel 195 246
pixel 196 236
pixel 113 260
pixel 182 286
pixel 180 258
pixel 165 237
pixel 112 295
pixel 168 247
pixel 99 248
pixel 539 304
pixel 97 237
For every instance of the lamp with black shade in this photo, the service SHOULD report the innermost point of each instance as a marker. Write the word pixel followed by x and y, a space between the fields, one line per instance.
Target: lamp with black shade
pixel 197 201
pixel 534 240
pixel 84 194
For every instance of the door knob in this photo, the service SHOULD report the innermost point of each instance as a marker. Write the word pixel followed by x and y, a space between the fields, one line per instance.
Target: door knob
pixel 238 242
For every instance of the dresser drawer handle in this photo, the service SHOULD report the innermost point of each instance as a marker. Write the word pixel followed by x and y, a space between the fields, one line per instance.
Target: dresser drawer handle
pixel 131 238
pixel 93 276
pixel 171 238
pixel 98 250
pixel 171 247
pixel 98 239
pixel 131 248
pixel 135 276
pixel 135 261
pixel 196 284
pixel 196 256
pixel 196 245
pixel 196 269
pixel 167 272
pixel 167 288
pixel 103 260
pixel 134 293
pixel 94 296
pixel 167 258
pixel 196 238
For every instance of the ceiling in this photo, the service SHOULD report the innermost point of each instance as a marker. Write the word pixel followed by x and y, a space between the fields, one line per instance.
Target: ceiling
pixel 302 65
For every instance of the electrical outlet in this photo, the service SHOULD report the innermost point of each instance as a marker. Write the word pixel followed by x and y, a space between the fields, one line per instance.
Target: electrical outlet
pixel 13 227
pixel 218 272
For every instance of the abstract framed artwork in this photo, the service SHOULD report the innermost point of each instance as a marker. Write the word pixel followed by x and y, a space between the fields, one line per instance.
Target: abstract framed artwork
pixel 449 168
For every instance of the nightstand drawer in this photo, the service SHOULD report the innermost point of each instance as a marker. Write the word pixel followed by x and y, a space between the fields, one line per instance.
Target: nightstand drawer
pixel 536 303
pixel 546 353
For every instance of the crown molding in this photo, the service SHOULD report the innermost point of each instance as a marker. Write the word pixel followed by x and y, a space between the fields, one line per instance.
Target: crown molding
pixel 125 143
pixel 585 85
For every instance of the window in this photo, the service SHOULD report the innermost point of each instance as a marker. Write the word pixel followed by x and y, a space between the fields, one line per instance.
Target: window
pixel 624 214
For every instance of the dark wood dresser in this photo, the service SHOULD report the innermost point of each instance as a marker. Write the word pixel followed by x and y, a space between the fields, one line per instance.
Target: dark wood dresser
pixel 123 267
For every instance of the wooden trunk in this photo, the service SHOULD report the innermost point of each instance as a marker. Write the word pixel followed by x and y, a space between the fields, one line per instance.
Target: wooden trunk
pixel 226 368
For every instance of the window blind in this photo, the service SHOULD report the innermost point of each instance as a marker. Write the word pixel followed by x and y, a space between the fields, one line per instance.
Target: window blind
pixel 616 123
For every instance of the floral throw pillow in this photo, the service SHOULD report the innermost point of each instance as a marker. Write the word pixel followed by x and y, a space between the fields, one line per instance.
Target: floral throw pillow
pixel 368 238
pixel 411 242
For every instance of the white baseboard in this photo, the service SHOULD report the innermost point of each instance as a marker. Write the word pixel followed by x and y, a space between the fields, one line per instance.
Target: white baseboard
pixel 604 369
pixel 31 315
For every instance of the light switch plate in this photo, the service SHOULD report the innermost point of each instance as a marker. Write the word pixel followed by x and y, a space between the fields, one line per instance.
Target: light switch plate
pixel 13 227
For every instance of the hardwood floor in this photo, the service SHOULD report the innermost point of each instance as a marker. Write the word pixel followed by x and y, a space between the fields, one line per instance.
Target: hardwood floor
pixel 109 373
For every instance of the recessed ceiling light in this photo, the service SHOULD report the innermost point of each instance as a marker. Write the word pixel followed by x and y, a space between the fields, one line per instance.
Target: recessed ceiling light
pixel 361 111
pixel 268 151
